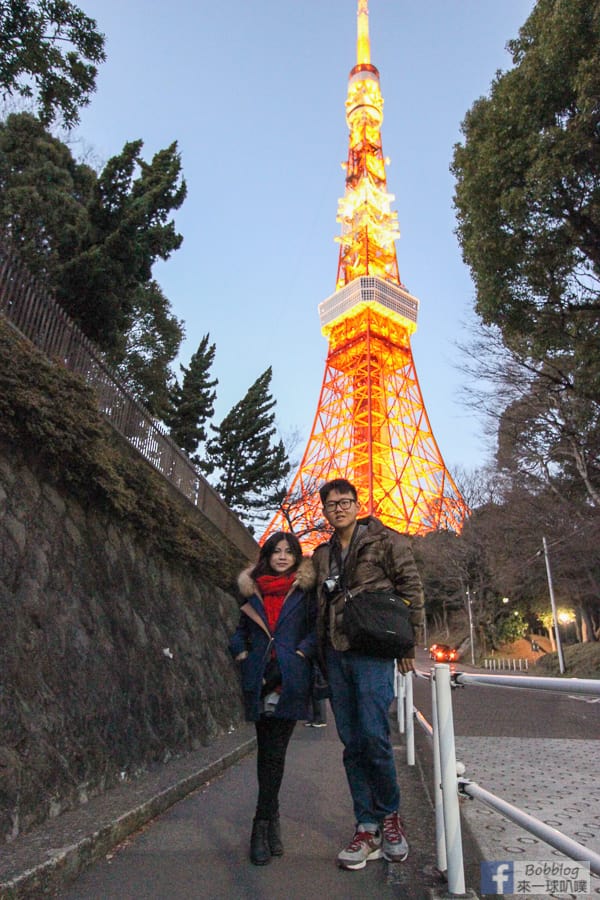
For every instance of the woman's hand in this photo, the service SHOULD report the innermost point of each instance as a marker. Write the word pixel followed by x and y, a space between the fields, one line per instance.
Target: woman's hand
pixel 241 656
pixel 300 653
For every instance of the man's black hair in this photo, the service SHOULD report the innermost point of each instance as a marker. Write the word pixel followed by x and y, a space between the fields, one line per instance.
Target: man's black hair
pixel 337 484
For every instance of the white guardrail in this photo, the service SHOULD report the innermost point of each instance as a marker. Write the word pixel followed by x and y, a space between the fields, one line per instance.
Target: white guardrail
pixel 448 778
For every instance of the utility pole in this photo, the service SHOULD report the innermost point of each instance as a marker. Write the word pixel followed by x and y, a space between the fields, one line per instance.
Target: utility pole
pixel 561 659
pixel 471 634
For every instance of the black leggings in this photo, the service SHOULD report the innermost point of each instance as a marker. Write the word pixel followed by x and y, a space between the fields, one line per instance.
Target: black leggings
pixel 272 737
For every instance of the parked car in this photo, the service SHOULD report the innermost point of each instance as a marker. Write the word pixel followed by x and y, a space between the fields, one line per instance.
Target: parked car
pixel 443 653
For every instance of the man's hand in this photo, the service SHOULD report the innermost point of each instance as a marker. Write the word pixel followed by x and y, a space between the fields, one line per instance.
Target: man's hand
pixel 406 665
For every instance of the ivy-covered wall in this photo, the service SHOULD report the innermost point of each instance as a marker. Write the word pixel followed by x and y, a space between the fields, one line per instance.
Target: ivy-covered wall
pixel 116 603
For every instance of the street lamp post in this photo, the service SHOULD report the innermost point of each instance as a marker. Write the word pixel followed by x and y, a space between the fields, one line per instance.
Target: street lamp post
pixel 561 659
pixel 471 634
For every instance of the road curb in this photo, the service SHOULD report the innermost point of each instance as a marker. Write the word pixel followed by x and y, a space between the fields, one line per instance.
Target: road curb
pixel 40 863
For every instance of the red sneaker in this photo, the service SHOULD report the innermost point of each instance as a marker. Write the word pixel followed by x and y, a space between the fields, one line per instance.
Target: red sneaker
pixel 364 845
pixel 395 845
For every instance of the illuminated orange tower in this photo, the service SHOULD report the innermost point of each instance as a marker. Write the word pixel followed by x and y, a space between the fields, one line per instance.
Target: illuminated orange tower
pixel 371 424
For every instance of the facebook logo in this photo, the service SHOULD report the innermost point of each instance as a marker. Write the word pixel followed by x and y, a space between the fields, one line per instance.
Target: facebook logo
pixel 533 877
pixel 497 877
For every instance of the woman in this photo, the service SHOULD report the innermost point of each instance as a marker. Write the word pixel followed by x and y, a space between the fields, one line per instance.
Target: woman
pixel 275 642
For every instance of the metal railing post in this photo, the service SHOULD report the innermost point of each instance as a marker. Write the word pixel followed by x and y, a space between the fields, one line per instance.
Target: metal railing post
pixel 456 873
pixel 400 700
pixel 440 834
pixel 448 780
pixel 410 722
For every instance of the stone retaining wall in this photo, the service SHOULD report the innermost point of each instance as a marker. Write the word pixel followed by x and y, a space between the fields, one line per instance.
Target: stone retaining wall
pixel 112 659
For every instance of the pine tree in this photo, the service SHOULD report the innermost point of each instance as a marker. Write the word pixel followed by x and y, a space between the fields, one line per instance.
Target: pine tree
pixel 193 400
pixel 251 465
pixel 93 239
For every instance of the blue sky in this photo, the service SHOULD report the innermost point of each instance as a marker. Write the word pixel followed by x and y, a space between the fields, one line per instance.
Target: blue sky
pixel 254 95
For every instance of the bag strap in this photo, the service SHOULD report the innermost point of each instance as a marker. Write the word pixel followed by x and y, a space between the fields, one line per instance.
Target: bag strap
pixel 340 560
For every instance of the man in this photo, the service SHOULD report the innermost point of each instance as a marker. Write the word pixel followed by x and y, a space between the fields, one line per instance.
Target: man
pixel 364 555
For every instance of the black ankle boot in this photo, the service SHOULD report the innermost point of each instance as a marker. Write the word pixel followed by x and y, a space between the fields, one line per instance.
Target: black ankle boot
pixel 260 853
pixel 274 833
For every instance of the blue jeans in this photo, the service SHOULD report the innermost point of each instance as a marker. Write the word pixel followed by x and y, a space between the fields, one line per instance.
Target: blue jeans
pixel 362 690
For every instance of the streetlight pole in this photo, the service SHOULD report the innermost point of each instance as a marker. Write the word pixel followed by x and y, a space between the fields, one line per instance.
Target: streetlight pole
pixel 561 659
pixel 471 634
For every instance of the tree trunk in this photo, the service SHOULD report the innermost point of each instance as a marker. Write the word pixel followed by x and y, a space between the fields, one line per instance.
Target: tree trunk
pixel 587 630
pixel 446 627
pixel 481 641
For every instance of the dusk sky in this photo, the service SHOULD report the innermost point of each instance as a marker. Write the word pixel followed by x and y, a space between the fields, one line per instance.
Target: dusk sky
pixel 254 92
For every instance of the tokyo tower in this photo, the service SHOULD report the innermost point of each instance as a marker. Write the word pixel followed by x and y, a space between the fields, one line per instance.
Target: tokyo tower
pixel 371 425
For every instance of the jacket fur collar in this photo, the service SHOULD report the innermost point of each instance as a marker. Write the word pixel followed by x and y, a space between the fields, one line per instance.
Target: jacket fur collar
pixel 305 579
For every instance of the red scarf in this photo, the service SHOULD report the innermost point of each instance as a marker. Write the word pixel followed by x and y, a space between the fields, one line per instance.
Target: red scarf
pixel 274 589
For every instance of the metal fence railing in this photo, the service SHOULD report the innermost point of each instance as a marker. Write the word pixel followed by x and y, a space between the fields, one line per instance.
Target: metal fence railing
pixel 448 774
pixel 37 316
pixel 498 662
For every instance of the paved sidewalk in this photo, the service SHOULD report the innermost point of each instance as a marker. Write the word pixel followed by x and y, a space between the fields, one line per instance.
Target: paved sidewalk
pixel 151 832
pixel 159 819
pixel 41 862
pixel 556 781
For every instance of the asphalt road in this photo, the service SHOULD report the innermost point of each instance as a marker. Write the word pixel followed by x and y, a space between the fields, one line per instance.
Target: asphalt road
pixel 510 712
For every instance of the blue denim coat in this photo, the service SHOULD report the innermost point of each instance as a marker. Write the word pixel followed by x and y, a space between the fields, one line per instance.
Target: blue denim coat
pixel 295 630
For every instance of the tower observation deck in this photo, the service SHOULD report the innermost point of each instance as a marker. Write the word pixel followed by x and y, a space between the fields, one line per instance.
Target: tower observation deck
pixel 371 425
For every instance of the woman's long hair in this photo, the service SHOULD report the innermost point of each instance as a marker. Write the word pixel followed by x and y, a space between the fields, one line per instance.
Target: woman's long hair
pixel 262 567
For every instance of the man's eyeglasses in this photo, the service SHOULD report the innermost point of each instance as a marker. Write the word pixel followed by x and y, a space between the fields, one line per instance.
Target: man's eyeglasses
pixel 344 505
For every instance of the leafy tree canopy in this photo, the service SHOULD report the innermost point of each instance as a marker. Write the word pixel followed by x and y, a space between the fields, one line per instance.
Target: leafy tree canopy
pixel 128 230
pixel 49 50
pixel 528 187
pixel 251 465
pixel 44 196
pixel 528 204
pixel 93 240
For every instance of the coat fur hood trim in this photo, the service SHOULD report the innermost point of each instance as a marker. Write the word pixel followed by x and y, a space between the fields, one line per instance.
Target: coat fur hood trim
pixel 305 579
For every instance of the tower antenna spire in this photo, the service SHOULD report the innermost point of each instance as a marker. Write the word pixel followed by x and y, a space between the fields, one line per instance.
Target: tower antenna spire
pixel 369 226
pixel 363 44
pixel 371 425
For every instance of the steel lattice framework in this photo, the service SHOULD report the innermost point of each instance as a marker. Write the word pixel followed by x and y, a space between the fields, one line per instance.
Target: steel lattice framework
pixel 371 424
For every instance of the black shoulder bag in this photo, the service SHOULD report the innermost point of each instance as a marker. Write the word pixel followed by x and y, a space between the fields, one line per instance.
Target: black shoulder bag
pixel 377 623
